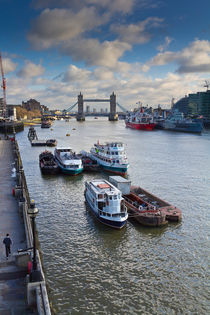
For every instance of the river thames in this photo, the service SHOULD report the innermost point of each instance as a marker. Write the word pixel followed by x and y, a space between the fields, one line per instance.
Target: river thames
pixel 93 269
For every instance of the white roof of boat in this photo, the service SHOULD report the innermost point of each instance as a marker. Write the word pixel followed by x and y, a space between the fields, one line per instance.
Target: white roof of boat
pixel 102 185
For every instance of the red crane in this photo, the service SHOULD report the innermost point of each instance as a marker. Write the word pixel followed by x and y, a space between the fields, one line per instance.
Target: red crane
pixel 4 88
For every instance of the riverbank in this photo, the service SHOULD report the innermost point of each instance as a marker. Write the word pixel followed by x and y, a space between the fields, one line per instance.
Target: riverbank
pixel 23 289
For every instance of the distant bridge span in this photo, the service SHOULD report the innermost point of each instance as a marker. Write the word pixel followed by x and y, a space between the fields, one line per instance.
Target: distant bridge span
pixel 113 104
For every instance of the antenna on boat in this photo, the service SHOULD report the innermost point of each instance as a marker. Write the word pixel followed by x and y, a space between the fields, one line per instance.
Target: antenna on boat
pixel 206 84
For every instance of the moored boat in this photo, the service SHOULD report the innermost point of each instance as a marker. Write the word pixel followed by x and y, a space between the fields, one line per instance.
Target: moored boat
pixel 51 142
pixel 171 212
pixel 111 157
pixel 46 124
pixel 68 161
pixel 145 207
pixel 177 122
pixel 106 203
pixel 47 163
pixel 140 120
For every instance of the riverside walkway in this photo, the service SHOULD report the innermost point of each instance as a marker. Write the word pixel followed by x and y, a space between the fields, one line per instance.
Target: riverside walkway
pixel 13 292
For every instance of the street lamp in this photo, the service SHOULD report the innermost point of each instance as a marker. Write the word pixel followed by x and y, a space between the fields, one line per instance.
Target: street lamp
pixel 32 212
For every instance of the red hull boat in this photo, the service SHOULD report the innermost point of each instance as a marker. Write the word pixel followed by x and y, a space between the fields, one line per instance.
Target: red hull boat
pixel 140 120
pixel 140 126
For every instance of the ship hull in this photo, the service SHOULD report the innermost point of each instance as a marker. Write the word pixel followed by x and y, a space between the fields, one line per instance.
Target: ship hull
pixel 120 170
pixel 113 224
pixel 140 126
pixel 69 171
pixel 190 128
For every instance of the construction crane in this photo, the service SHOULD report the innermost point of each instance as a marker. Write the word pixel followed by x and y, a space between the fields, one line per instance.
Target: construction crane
pixel 206 85
pixel 4 88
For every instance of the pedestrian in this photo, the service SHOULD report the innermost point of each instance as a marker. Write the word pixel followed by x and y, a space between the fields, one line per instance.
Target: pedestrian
pixel 7 242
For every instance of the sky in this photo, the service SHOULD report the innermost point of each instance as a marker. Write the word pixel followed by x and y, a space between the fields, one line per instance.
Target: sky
pixel 147 51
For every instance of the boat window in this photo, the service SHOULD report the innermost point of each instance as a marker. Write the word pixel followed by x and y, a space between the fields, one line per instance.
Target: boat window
pixel 110 197
pixel 115 197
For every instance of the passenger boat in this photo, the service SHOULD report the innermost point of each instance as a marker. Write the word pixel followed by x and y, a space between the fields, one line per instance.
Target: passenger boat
pixel 111 157
pixel 177 122
pixel 47 163
pixel 106 203
pixel 68 162
pixel 140 120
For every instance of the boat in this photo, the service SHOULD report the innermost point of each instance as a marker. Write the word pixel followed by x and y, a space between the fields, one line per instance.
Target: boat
pixel 144 207
pixel 46 124
pixel 111 157
pixel 47 163
pixel 172 213
pixel 68 161
pixel 140 120
pixel 176 121
pixel 32 134
pixel 88 163
pixel 51 142
pixel 106 203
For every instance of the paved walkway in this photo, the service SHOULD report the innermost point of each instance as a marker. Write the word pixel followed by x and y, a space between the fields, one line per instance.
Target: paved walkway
pixel 12 278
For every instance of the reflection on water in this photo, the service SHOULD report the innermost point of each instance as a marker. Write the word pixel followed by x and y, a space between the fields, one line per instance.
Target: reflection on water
pixel 92 269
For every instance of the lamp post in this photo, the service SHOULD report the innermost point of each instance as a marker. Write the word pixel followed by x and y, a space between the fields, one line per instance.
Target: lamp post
pixel 33 211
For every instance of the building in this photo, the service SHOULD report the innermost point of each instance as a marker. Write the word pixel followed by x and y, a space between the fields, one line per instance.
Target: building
pixel 182 105
pixel 32 105
pixel 200 103
pixel 196 104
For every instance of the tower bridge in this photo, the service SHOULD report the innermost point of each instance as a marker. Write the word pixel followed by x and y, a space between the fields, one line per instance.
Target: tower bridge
pixel 81 114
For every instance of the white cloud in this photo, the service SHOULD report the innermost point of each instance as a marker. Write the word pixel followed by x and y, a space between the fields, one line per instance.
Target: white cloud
pixel 30 70
pixel 76 74
pixel 96 53
pixel 136 33
pixel 193 59
pixel 8 65
pixel 58 25
pixel 167 42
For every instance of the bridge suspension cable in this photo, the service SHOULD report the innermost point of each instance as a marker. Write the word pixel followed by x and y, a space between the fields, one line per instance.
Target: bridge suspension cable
pixel 71 107
pixel 121 107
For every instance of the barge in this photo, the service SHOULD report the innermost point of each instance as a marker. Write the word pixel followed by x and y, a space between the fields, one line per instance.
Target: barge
pixel 144 207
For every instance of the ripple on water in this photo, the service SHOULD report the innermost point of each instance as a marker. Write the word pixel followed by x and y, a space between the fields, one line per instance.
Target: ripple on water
pixel 91 269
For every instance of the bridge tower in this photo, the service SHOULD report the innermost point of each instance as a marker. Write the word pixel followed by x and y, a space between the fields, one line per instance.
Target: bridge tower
pixel 113 115
pixel 80 115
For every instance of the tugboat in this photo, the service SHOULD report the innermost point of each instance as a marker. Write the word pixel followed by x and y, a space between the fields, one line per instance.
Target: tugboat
pixel 68 161
pixel 111 157
pixel 47 163
pixel 106 203
pixel 140 120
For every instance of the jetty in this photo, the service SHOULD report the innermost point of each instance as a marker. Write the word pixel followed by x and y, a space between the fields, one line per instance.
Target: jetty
pixel 23 286
pixel 33 138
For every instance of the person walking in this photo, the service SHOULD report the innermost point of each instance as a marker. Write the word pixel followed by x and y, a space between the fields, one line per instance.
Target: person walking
pixel 7 242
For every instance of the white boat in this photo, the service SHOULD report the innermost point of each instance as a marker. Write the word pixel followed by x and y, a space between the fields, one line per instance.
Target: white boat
pixel 111 157
pixel 106 203
pixel 68 162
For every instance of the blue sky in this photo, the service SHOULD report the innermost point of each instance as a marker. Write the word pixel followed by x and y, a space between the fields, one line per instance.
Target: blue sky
pixel 143 50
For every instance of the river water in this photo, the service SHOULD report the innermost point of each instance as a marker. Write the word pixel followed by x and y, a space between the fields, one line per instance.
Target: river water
pixel 93 269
